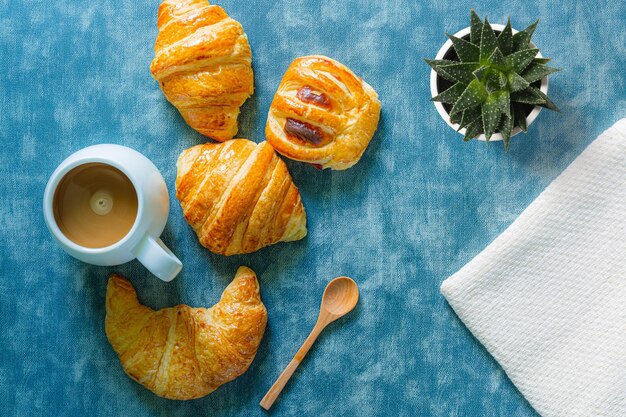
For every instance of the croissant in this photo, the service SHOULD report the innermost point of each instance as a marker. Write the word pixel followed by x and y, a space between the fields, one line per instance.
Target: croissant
pixel 182 352
pixel 238 196
pixel 322 114
pixel 203 64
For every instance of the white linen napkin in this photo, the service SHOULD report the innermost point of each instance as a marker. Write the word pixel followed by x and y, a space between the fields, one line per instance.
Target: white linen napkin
pixel 547 298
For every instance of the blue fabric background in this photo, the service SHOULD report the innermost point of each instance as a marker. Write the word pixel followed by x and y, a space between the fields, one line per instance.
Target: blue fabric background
pixel 417 207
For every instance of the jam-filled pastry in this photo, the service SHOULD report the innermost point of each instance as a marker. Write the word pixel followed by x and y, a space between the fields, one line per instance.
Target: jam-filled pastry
pixel 203 64
pixel 183 352
pixel 322 114
pixel 238 196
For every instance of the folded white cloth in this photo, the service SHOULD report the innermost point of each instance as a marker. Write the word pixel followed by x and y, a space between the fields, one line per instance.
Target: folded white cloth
pixel 548 297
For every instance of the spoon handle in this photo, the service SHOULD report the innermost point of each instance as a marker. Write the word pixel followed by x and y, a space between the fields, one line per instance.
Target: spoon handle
pixel 282 380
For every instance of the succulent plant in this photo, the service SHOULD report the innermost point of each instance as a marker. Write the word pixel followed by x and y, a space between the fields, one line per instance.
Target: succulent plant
pixel 495 80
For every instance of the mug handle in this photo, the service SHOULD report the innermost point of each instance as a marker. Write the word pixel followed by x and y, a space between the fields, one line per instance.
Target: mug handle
pixel 157 257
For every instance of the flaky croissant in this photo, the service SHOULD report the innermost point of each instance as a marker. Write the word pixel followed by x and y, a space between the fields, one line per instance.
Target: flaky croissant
pixel 203 64
pixel 182 352
pixel 238 196
pixel 322 114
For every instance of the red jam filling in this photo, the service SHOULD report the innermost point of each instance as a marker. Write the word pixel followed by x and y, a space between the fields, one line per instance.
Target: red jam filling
pixel 304 131
pixel 308 96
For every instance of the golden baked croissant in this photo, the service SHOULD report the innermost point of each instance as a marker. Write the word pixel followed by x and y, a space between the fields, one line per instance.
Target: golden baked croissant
pixel 238 196
pixel 182 352
pixel 203 64
pixel 322 114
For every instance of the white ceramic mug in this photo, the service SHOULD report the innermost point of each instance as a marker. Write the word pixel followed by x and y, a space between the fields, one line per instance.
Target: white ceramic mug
pixel 142 241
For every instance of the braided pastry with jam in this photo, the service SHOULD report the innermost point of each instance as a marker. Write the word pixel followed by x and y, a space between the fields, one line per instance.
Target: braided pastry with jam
pixel 322 114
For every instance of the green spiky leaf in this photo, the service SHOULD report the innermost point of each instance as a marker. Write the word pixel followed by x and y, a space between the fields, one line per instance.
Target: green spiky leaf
pixel 528 95
pixel 503 99
pixel 456 117
pixel 505 40
pixel 521 40
pixel 518 61
pixel 473 130
pixel 535 72
pixel 470 116
pixel 542 60
pixel 476 28
pixel 492 110
pixel 467 51
pixel 547 103
pixel 488 41
pixel 497 59
pixel 461 72
pixel 451 95
pixel 437 64
pixel 517 82
pixel 506 129
pixel 474 94
pixel 519 118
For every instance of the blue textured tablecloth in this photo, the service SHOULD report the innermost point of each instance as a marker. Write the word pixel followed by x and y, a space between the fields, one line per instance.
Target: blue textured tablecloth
pixel 418 206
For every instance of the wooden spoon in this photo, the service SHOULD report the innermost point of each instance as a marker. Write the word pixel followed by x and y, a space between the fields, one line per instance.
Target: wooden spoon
pixel 340 297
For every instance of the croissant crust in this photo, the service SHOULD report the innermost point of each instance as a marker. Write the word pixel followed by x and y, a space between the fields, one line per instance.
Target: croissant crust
pixel 238 196
pixel 203 63
pixel 322 114
pixel 183 352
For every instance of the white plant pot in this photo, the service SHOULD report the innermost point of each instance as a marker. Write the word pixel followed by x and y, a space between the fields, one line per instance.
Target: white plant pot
pixel 434 91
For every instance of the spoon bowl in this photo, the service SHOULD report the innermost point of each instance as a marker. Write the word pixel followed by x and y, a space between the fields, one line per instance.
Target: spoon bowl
pixel 340 296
